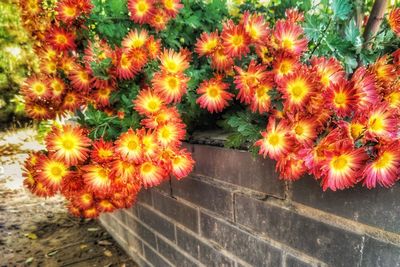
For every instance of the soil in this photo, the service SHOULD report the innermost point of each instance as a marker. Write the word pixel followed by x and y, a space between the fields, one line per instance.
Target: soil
pixel 39 232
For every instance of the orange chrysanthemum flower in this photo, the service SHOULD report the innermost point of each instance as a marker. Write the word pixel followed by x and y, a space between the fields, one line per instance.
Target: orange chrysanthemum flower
pixel 382 122
pixel 342 98
pixel 214 95
pixel 329 70
pixel 207 43
pixel 37 111
pixel 71 101
pixel 36 87
pixel 150 144
pixel 102 151
pixel 125 66
pixel 182 164
pixel 256 27
pixel 97 178
pixel 235 40
pixel 165 115
pixel 394 20
pixel 171 134
pixel 102 95
pixel 105 206
pixel 68 144
pixel 80 79
pixel 220 60
pixel 385 72
pixel 343 166
pixel 264 53
pixel 92 212
pixel 276 141
pixel 297 88
pixel 153 47
pixel 304 130
pixel 48 66
pixel 67 11
pixel 293 15
pixel 74 210
pixel 171 87
pixel 385 168
pixel 288 37
pixel 246 81
pixel 159 20
pixel 129 146
pixel 51 172
pixel 364 83
pixel 172 7
pixel 135 39
pixel 148 102
pixel 174 62
pixel 151 174
pixel 141 10
pixel 62 40
pixel 57 87
pixel 261 101
pixel 123 170
pixel 291 167
pixel 284 65
pixel 83 200
pixel 41 190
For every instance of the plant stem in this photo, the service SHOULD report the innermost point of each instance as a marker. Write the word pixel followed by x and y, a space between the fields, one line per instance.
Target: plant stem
pixel 374 22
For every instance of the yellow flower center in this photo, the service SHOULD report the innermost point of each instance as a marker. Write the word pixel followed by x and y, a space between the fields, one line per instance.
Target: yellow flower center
pixel 104 153
pixel 38 88
pixel 237 40
pixel 70 11
pixel 56 171
pixel 68 144
pixel 287 43
pixel 169 4
pixel 384 160
pixel 132 145
pixel 376 124
pixel 339 163
pixel 165 133
pixel 325 80
pixel 61 39
pixel 171 66
pixel 152 105
pixel 299 130
pixel 356 130
pixel 147 167
pixel 285 67
pixel 173 83
pixel 340 99
pixel 273 139
pixel 142 7
pixel 213 92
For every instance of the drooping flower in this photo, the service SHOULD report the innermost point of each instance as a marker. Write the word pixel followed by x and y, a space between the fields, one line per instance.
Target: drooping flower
pixel 235 40
pixel 125 66
pixel 148 102
pixel 69 144
pixel 173 62
pixel 80 79
pixel 276 140
pixel 342 98
pixel 165 115
pixel 385 72
pixel 220 60
pixel 151 174
pixel 62 40
pixel 153 47
pixel 291 167
pixel 384 170
pixel 182 164
pixel 129 146
pixel 343 166
pixel 83 200
pixel 170 87
pixel 207 43
pixel 394 20
pixel 297 88
pixel 102 95
pixel 105 206
pixel 141 10
pixel 288 37
pixel 214 95
pixel 293 15
pixel 91 212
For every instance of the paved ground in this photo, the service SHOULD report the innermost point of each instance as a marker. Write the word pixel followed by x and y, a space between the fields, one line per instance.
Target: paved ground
pixel 38 232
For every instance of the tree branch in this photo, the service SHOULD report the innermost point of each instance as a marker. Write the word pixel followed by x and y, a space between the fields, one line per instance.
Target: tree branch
pixel 374 22
pixel 359 15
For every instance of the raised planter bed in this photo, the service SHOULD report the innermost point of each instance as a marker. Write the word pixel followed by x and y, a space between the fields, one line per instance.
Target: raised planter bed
pixel 233 211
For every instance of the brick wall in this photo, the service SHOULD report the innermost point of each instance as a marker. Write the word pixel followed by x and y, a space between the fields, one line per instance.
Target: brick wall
pixel 233 211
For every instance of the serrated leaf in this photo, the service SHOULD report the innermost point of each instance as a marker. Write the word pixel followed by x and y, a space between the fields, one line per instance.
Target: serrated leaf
pixel 312 27
pixel 351 31
pixel 341 9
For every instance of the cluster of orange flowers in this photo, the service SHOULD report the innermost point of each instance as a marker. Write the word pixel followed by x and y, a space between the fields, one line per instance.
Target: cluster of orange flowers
pixel 394 20
pixel 101 176
pixel 342 130
pixel 156 13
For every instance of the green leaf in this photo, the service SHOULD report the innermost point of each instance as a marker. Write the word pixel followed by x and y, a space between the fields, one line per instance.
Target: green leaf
pixel 312 27
pixel 341 9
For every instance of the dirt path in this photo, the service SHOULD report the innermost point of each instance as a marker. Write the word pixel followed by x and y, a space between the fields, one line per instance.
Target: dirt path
pixel 38 232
